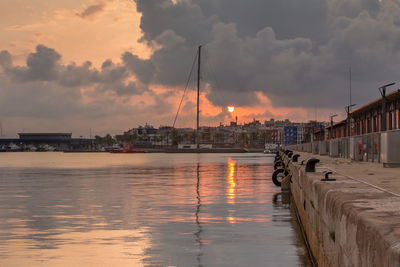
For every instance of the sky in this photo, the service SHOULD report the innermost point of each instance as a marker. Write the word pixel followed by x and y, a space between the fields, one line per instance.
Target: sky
pixel 97 66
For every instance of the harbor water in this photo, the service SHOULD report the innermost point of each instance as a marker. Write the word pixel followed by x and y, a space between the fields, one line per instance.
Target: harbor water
pixel 101 209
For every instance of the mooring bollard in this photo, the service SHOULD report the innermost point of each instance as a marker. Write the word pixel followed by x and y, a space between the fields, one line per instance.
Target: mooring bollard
pixel 287 151
pixel 327 179
pixel 279 164
pixel 310 166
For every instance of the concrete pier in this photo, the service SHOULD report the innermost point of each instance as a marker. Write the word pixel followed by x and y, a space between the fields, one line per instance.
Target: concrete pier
pixel 353 221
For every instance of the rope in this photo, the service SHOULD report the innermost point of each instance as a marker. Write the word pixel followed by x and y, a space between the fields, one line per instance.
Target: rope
pixel 186 87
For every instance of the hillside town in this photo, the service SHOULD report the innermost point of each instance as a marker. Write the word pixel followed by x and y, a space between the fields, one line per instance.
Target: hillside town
pixel 252 135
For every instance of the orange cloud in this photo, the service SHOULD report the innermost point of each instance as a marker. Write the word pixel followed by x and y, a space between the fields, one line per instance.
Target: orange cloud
pixel 92 11
pixel 115 30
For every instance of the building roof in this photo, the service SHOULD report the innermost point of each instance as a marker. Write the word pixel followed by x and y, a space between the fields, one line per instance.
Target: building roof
pixel 377 102
pixel 51 137
pixel 337 124
pixel 43 134
pixel 318 130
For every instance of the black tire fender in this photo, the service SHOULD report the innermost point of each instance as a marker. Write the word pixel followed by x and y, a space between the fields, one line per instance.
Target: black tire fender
pixel 278 164
pixel 278 175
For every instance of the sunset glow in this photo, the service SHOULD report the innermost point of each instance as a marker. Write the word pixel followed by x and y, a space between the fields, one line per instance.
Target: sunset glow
pixel 124 70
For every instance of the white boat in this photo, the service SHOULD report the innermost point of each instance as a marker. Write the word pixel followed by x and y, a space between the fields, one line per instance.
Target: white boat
pixel 271 148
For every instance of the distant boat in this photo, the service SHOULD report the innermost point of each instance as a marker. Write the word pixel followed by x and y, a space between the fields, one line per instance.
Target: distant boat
pixel 10 148
pixel 271 148
pixel 270 151
pixel 207 150
pixel 126 149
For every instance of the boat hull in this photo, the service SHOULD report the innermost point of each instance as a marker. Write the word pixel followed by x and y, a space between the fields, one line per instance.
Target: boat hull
pixel 206 150
pixel 125 151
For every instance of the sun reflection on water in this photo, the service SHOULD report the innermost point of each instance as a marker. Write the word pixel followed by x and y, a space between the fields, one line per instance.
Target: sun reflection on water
pixel 231 191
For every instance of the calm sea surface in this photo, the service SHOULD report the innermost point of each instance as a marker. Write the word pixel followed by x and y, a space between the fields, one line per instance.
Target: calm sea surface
pixel 67 209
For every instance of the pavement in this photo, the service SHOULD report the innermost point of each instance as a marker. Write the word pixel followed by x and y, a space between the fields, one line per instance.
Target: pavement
pixel 372 173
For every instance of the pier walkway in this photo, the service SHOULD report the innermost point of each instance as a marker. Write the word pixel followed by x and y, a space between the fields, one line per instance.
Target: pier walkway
pixel 371 173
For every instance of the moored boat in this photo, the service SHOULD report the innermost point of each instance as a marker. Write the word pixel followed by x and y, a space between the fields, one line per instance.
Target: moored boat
pixel 271 148
pixel 127 149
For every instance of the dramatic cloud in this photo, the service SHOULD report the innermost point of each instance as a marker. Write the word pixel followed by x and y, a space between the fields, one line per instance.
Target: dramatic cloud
pixel 144 69
pixel 45 88
pixel 92 11
pixel 270 58
pixel 43 65
pixel 5 59
pixel 296 53
pixel 40 66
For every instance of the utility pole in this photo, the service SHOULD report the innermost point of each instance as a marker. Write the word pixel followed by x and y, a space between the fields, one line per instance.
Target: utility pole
pixel 348 108
pixel 350 104
pixel 382 90
pixel 198 99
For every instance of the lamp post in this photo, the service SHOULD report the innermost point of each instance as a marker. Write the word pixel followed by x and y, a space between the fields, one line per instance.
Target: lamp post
pixel 382 90
pixel 347 108
pixel 331 117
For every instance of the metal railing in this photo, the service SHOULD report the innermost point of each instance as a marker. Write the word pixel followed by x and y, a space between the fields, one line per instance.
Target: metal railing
pixel 366 147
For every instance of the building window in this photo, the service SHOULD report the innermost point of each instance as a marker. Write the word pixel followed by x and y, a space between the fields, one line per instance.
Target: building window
pixel 374 124
pixel 398 116
pixel 362 126
pixel 368 125
pixel 390 120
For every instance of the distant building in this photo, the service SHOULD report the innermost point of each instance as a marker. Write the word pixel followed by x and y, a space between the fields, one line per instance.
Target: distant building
pixel 45 136
pixel 48 141
pixel 270 123
pixel 369 118
pixel 290 135
pixel 272 136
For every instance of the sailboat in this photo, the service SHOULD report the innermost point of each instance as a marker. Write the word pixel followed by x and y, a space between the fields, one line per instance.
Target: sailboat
pixel 198 148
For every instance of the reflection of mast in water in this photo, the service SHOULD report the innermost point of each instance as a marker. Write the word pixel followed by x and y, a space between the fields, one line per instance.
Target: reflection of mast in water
pixel 199 227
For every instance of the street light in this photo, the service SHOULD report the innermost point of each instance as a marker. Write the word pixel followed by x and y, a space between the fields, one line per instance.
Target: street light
pixel 331 117
pixel 382 90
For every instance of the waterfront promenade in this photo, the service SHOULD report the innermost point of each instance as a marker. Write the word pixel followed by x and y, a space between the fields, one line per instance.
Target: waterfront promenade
pixel 372 173
pixel 354 220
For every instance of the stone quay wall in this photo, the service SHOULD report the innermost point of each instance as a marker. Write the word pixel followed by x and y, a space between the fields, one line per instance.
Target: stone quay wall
pixel 347 222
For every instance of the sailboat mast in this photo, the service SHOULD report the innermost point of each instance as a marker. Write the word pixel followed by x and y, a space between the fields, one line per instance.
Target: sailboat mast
pixel 198 98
